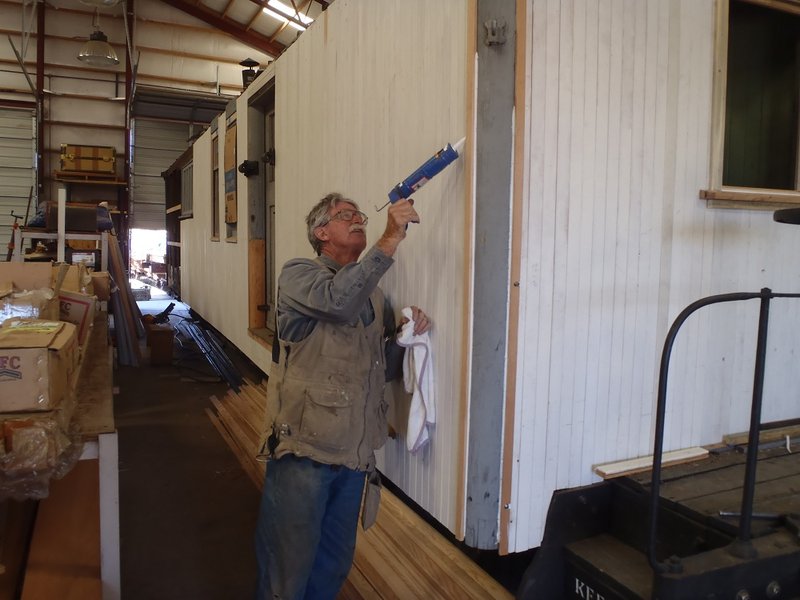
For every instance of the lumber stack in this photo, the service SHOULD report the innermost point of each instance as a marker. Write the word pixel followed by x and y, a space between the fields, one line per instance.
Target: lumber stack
pixel 400 557
pixel 128 327
pixel 238 417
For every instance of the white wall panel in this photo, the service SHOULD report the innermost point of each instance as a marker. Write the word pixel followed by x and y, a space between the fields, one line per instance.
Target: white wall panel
pixel 362 99
pixel 615 243
pixel 214 273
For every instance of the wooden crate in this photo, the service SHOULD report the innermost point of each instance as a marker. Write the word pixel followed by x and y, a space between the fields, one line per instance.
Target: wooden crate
pixel 88 159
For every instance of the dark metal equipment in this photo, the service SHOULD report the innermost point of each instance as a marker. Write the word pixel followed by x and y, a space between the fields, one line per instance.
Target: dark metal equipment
pixel 621 540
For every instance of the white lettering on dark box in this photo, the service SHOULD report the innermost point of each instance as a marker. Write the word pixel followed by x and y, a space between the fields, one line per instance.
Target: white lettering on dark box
pixel 586 592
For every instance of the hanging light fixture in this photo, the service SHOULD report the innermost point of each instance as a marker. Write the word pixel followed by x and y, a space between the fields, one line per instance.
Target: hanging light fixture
pixel 250 73
pixel 97 51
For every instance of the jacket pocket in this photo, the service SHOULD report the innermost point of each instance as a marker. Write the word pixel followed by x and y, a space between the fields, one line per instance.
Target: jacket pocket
pixel 327 417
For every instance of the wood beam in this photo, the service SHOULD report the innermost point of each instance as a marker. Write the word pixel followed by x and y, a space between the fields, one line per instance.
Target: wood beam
pixel 232 28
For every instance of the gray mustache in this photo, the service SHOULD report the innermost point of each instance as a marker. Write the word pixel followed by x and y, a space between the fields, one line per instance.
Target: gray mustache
pixel 356 227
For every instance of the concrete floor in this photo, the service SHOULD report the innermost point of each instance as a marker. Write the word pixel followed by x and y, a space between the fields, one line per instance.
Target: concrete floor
pixel 187 509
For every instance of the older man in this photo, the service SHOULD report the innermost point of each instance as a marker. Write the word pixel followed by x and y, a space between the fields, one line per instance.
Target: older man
pixel 326 414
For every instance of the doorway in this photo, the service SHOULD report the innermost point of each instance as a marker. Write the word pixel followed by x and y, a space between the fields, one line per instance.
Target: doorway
pixel 261 199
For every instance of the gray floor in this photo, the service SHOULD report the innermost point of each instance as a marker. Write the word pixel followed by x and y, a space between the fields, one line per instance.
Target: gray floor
pixel 187 510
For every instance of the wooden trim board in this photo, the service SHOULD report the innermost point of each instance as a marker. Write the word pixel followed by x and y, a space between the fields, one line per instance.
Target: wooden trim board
pixel 644 463
pixel 469 200
pixel 514 291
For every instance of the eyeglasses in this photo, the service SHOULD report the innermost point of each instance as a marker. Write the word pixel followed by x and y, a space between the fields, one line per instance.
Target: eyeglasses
pixel 345 215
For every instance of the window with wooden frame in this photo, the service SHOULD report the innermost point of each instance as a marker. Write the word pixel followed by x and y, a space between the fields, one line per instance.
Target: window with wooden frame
pixel 755 160
pixel 187 191
pixel 215 188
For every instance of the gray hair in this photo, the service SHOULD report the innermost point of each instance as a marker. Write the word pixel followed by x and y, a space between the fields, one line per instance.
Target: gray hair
pixel 318 217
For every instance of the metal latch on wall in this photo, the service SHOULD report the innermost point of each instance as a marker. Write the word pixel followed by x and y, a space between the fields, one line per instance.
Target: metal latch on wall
pixel 495 32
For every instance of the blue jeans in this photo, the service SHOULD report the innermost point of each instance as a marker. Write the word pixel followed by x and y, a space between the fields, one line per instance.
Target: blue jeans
pixel 306 532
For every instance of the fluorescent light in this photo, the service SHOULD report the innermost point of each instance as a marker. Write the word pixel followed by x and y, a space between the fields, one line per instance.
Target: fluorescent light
pixel 285 14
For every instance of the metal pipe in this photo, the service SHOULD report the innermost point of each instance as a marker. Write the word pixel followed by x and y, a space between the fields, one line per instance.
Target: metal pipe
pixel 655 482
pixel 743 546
pixel 748 493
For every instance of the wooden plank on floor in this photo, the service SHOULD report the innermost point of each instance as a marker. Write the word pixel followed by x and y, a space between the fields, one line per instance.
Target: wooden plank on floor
pixel 357 587
pixel 254 476
pixel 448 563
pixel 764 436
pixel 64 559
pixel 400 558
pixel 645 463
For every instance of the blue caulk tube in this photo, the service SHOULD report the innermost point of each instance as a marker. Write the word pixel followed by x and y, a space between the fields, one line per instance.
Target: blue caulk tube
pixel 432 167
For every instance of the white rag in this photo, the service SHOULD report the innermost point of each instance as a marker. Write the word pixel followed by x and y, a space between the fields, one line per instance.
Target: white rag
pixel 418 379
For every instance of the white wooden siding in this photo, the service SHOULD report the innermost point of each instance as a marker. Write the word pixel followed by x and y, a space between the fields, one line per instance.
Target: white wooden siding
pixel 214 273
pixel 615 243
pixel 363 98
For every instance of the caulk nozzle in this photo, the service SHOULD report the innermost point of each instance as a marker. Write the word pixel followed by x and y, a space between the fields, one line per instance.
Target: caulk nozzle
pixel 459 146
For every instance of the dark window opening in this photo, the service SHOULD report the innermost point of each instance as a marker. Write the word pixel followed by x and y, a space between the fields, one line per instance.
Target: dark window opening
pixel 761 112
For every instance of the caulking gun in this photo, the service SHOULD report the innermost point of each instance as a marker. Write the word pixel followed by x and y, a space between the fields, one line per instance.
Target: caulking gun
pixel 429 169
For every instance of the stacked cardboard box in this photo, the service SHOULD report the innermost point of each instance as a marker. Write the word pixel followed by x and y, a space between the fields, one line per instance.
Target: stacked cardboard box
pixel 39 364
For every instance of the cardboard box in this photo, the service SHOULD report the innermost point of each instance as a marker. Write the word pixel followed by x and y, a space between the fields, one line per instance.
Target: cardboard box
pixel 35 304
pixel 75 278
pixel 26 276
pixel 38 364
pixel 160 338
pixel 88 159
pixel 78 309
pixel 101 285
pixel 32 296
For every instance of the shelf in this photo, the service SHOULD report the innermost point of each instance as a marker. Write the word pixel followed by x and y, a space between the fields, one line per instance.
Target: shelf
pixel 61 236
pixel 88 178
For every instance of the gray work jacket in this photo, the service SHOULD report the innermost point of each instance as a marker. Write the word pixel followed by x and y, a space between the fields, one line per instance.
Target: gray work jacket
pixel 325 391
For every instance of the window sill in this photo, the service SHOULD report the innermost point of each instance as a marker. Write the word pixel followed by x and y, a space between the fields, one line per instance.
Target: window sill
pixel 750 198
pixel 185 216
pixel 263 336
pixel 214 238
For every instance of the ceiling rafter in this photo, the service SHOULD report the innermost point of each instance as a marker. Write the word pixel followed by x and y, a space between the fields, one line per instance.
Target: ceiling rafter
pixel 232 28
pixel 226 9
pixel 256 14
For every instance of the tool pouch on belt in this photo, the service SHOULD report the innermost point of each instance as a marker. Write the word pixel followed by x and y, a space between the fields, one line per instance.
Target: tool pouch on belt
pixel 372 499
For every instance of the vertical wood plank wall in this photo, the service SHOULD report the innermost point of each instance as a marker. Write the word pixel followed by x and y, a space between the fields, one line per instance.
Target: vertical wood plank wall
pixel 615 243
pixel 214 273
pixel 362 99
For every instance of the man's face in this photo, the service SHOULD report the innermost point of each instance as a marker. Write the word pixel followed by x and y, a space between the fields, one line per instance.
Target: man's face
pixel 346 234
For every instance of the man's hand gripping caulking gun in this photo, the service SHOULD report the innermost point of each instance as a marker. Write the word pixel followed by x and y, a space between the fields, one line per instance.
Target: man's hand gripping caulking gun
pixel 429 169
